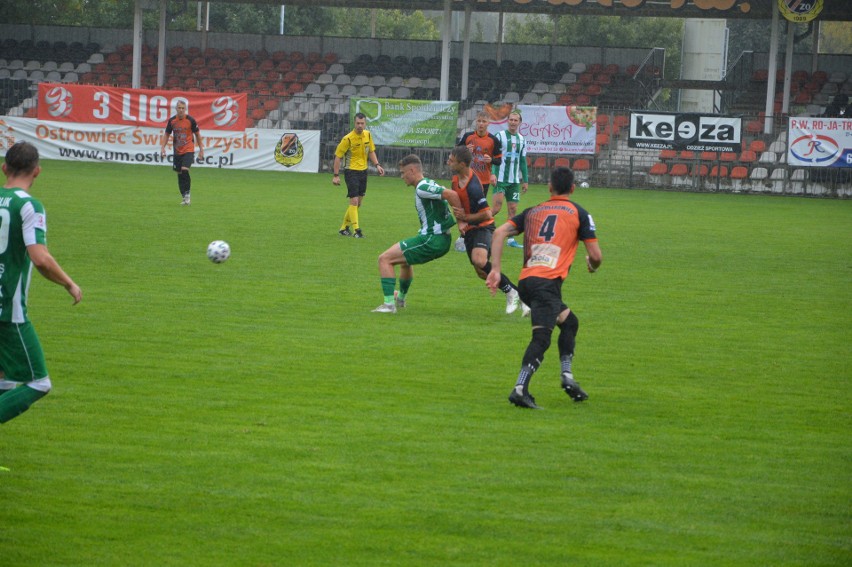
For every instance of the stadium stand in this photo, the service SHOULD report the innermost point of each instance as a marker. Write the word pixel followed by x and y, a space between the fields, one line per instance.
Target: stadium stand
pixel 320 82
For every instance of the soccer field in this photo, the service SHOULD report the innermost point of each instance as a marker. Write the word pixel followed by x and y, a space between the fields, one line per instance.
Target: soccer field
pixel 257 413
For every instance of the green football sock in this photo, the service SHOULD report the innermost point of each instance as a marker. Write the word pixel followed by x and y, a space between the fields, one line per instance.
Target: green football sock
pixel 403 287
pixel 16 402
pixel 388 285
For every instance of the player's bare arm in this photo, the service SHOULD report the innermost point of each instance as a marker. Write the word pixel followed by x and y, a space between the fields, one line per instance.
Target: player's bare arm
pixel 375 161
pixel 473 218
pixel 51 270
pixel 165 141
pixel 594 258
pixel 452 198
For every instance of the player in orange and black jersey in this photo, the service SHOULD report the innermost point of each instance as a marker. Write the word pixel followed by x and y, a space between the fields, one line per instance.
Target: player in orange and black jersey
pixel 486 151
pixel 183 127
pixel 476 212
pixel 552 230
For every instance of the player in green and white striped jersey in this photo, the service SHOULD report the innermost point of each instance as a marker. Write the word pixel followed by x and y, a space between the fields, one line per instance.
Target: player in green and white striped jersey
pixel 511 173
pixel 23 372
pixel 432 241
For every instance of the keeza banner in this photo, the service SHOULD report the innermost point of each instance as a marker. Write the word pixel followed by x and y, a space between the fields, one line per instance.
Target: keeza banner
pixel 552 129
pixel 90 104
pixel 820 142
pixel 408 123
pixel 695 132
pixel 268 150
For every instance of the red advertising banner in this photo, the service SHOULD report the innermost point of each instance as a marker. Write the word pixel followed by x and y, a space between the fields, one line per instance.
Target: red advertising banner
pixel 91 104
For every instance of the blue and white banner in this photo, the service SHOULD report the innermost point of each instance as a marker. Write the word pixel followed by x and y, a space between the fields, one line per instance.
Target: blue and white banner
pixel 254 148
pixel 819 142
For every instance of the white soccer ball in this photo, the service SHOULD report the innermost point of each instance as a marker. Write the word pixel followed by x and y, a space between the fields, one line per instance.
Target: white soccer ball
pixel 584 184
pixel 218 251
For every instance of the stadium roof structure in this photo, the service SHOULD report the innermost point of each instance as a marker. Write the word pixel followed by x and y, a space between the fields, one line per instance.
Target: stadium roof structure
pixel 832 10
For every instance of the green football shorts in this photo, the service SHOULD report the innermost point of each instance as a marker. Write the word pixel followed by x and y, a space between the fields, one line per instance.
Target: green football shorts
pixel 21 357
pixel 425 248
pixel 511 190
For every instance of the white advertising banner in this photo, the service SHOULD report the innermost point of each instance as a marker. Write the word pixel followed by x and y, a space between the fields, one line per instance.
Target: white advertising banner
pixel 554 129
pixel 263 149
pixel 820 142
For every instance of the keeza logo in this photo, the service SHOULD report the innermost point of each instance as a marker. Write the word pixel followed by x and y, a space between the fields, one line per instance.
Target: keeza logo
pixel 688 131
pixel 225 111
pixel 59 102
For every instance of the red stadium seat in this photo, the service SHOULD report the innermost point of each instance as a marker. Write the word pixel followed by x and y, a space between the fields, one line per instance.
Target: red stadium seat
pixel 757 146
pixel 582 164
pixel 700 170
pixel 679 170
pixel 739 172
pixel 658 169
pixel 748 156
pixel 562 162
pixel 719 171
pixel 754 127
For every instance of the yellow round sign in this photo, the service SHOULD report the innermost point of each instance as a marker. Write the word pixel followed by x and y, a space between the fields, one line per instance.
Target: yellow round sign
pixel 800 11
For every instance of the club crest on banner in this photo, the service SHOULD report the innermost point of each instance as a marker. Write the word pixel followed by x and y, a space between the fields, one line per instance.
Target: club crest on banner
pixel 289 150
pixel 800 11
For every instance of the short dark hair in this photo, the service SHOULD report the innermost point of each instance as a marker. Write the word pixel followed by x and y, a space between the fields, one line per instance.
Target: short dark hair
pixel 562 180
pixel 462 154
pixel 21 158
pixel 360 115
pixel 410 159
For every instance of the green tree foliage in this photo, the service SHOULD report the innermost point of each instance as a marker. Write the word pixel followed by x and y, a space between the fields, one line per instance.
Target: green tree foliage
pixel 247 18
pixel 309 21
pixel 604 31
pixel 836 37
pixel 94 13
pixel 42 12
pixel 390 24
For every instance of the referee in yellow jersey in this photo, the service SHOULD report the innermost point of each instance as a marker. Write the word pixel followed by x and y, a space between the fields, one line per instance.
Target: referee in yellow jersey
pixel 353 151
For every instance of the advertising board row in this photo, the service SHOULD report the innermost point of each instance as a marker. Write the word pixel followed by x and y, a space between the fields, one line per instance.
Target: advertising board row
pixel 811 142
pixel 94 123
pixel 98 123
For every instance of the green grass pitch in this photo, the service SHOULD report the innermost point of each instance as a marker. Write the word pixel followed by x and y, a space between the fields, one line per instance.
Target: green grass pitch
pixel 256 413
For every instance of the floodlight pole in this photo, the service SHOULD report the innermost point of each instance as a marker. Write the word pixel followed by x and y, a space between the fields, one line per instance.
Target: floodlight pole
pixel 788 67
pixel 500 30
pixel 161 52
pixel 466 53
pixel 136 77
pixel 445 52
pixel 772 70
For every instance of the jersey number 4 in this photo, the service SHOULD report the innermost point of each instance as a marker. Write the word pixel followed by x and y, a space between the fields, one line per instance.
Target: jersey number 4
pixel 548 228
